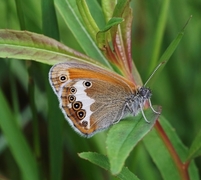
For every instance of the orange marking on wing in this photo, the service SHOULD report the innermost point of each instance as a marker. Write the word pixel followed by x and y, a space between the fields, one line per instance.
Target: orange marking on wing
pixel 114 78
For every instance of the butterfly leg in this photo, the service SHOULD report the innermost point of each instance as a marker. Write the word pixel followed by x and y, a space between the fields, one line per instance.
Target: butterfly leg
pixel 141 108
pixel 153 108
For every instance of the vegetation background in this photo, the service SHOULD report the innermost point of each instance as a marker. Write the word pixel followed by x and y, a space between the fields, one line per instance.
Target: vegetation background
pixel 177 89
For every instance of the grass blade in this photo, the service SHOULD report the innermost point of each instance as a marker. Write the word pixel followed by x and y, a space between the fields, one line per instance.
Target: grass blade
pixel 50 28
pixel 159 34
pixel 17 143
pixel 195 149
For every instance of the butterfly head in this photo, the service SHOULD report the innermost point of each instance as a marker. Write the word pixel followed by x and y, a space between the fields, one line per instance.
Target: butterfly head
pixel 144 93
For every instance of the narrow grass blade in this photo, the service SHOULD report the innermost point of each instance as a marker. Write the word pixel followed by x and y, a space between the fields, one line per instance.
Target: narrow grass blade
pixel 159 33
pixel 167 54
pixel 195 149
pixel 20 13
pixel 170 50
pixel 50 24
pixel 17 142
pixel 50 28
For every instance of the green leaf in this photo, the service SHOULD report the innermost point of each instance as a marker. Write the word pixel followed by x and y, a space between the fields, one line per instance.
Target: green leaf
pixel 55 135
pixel 160 28
pixel 96 12
pixel 69 12
pixel 166 162
pixel 195 149
pixel 120 8
pixel 101 35
pixel 170 50
pixel 32 46
pixel 89 22
pixel 20 13
pixel 96 158
pixel 103 162
pixel 55 122
pixel 50 24
pixel 108 8
pixel 17 142
pixel 112 22
pixel 123 137
pixel 167 54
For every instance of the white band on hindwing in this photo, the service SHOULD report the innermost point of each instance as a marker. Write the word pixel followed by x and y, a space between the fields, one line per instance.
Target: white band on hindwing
pixel 82 97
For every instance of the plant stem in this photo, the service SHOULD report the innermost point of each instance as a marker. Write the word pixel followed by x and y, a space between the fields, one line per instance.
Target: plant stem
pixel 182 168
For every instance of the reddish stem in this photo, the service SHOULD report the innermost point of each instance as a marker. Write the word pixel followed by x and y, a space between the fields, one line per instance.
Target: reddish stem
pixel 182 167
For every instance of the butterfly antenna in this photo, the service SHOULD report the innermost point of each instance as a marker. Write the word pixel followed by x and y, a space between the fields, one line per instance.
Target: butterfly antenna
pixel 153 72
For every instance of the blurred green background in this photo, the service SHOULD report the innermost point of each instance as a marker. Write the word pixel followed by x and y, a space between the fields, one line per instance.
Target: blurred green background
pixel 177 88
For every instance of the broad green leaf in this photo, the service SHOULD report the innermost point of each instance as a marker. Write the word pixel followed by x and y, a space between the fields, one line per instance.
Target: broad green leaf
pixel 125 135
pixel 69 12
pixel 167 163
pixel 195 149
pixel 32 46
pixel 103 162
pixel 17 142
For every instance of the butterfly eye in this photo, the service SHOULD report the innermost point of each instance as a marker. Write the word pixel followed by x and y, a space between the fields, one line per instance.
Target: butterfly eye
pixel 71 98
pixel 87 84
pixel 63 78
pixel 73 90
pixel 81 114
pixel 77 106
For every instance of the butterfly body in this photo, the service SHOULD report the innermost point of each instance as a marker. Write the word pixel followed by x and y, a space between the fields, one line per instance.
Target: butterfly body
pixel 92 98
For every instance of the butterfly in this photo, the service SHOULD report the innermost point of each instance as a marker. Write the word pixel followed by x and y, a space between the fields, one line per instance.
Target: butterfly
pixel 92 98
